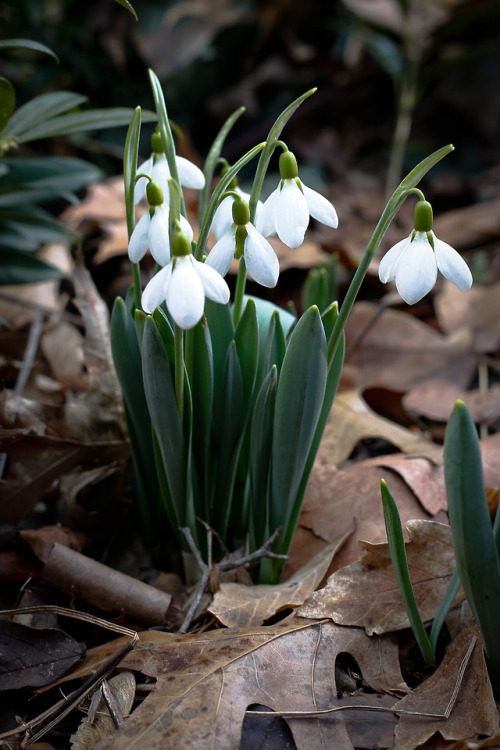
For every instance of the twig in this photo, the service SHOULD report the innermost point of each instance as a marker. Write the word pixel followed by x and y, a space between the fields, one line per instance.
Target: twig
pixel 393 709
pixel 222 566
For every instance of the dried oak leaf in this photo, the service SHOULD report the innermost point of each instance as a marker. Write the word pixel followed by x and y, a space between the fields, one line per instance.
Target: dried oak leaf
pixel 34 657
pixel 397 351
pixel 352 420
pixel 238 605
pixel 475 712
pixel 365 594
pixel 205 683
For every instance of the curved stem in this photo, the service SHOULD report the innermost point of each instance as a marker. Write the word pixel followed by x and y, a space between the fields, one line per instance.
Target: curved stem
pixel 179 369
pixel 239 291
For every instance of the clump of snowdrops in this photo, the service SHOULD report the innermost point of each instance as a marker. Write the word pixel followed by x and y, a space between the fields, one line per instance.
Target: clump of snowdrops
pixel 226 400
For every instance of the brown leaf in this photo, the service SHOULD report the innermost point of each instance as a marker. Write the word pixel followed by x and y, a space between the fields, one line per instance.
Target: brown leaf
pixel 435 399
pixel 42 540
pixel 351 420
pixel 34 656
pixel 475 712
pixel 237 605
pixel 94 728
pixel 365 594
pixel 337 500
pixel 398 351
pixel 473 317
pixel 205 682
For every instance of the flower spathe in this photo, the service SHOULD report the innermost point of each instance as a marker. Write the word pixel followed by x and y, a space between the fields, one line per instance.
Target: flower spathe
pixel 287 210
pixel 152 231
pixel 183 285
pixel 243 239
pixel 414 262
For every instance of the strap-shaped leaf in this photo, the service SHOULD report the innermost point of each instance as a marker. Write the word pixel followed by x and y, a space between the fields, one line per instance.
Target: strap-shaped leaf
pixel 247 345
pixel 28 44
pixel 17 267
pixel 42 108
pixel 471 530
pixel 299 400
pixel 261 438
pixel 162 406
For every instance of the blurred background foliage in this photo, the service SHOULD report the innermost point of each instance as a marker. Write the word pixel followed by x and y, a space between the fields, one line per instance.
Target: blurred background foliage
pixel 375 62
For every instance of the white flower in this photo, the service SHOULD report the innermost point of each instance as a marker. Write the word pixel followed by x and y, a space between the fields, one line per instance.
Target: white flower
pixel 223 217
pixel 286 212
pixel 260 258
pixel 152 232
pixel 415 261
pixel 183 285
pixel 157 168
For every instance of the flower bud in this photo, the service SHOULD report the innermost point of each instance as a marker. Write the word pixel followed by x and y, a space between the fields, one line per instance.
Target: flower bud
pixel 288 166
pixel 180 245
pixel 422 220
pixel 156 143
pixel 154 193
pixel 241 212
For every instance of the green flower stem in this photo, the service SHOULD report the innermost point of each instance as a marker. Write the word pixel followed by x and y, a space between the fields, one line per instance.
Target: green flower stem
pixel 406 187
pixel 130 156
pixel 219 191
pixel 179 369
pixel 271 143
pixel 239 291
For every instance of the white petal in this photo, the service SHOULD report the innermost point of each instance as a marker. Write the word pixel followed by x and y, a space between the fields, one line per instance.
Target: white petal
pixel 260 258
pixel 452 265
pixel 222 253
pixel 416 271
pixel 223 217
pixel 190 175
pixel 389 263
pixel 139 239
pixel 185 295
pixel 187 228
pixel 320 208
pixel 159 242
pixel 161 174
pixel 140 185
pixel 292 214
pixel 155 291
pixel 214 286
pixel 266 220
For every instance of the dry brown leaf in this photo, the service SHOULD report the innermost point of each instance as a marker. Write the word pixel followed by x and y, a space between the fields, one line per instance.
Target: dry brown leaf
pixel 397 350
pixel 237 605
pixel 435 399
pixel 205 682
pixel 474 316
pixel 365 594
pixel 475 712
pixel 94 728
pixel 338 499
pixel 421 476
pixel 351 420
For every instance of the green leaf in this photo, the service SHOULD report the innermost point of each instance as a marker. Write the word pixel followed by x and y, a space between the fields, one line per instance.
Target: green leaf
pixel 128 6
pixel 92 119
pixel 261 438
pixel 443 609
pixel 27 44
pixel 7 101
pixel 471 530
pixel 399 561
pixel 247 346
pixel 162 406
pixel 299 400
pixel 17 267
pixel 130 156
pixel 128 365
pixel 42 108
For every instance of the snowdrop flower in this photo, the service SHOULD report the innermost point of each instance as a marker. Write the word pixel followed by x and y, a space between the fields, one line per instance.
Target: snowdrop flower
pixel 414 262
pixel 156 166
pixel 243 239
pixel 223 216
pixel 286 211
pixel 183 285
pixel 151 231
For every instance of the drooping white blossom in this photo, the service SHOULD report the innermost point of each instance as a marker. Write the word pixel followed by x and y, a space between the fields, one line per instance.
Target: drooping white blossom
pixel 287 210
pixel 183 285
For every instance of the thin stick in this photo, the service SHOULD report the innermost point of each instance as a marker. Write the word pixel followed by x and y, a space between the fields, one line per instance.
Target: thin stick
pixel 445 715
